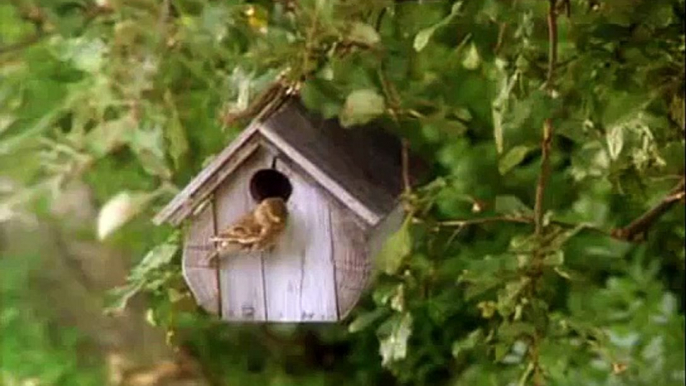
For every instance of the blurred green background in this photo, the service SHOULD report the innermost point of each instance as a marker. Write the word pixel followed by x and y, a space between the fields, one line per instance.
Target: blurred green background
pixel 108 107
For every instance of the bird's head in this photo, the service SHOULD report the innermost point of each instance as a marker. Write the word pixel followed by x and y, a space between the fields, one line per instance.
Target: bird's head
pixel 274 209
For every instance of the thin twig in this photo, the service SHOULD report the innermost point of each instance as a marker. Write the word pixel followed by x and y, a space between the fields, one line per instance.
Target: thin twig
pixel 393 99
pixel 484 220
pixel 260 106
pixel 637 228
pixel 552 41
pixel 163 20
pixel 407 187
pixel 31 40
pixel 543 176
pixel 501 37
pixel 518 220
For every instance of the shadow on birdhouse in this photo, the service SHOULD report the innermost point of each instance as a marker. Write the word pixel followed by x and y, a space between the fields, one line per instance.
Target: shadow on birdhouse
pixel 341 188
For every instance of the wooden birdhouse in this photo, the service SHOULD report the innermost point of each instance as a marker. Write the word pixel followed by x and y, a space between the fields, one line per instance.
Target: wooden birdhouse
pixel 341 188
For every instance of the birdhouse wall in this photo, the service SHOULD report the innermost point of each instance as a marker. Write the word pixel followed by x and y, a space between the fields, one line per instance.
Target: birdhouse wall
pixel 201 278
pixel 316 272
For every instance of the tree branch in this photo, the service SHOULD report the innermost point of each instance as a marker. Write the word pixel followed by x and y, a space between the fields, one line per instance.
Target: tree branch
pixel 543 176
pixel 552 41
pixel 501 37
pixel 18 46
pixel 637 229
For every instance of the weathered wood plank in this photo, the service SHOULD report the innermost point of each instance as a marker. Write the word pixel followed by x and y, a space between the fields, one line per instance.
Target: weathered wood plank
pixel 205 175
pixel 199 232
pixel 299 273
pixel 212 182
pixel 201 279
pixel 203 285
pixel 351 260
pixel 241 274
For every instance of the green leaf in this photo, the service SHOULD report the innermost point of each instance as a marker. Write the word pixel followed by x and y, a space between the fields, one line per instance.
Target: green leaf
pixel 508 296
pixel 362 106
pixel 144 276
pixel 85 54
pixel 467 343
pixel 148 144
pixel 393 347
pixel 320 95
pixel 555 259
pixel 117 299
pixel 615 141
pixel 364 320
pixel 364 33
pixel 424 36
pixel 513 158
pixel 109 135
pixel 383 292
pixel 511 205
pixel 501 349
pixel 120 209
pixel 175 132
pixel 157 258
pixel 500 105
pixel 395 249
pixel 472 59
pixel 511 331
pixel 562 273
pixel 398 299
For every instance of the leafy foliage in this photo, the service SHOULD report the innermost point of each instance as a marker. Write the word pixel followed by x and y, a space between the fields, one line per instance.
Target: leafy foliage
pixel 487 282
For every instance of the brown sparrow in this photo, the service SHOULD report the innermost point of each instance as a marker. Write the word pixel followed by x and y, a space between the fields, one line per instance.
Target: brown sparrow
pixel 256 231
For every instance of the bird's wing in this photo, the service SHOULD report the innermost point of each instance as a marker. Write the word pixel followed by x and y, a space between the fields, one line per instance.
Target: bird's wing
pixel 269 236
pixel 244 231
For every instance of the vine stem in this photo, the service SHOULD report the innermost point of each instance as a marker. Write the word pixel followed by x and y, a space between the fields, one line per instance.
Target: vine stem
pixel 407 187
pixel 543 176
pixel 552 40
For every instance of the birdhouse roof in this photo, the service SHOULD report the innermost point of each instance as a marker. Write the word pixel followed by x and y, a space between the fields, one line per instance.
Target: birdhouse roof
pixel 361 166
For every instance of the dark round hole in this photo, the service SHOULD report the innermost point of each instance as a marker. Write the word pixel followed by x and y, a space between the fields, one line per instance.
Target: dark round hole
pixel 268 183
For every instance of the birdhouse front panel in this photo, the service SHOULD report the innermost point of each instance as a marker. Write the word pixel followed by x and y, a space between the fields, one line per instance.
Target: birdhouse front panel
pixel 316 270
pixel 241 277
pixel 201 278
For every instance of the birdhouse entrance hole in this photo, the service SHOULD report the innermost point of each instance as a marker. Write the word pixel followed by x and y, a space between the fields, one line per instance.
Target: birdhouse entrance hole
pixel 268 183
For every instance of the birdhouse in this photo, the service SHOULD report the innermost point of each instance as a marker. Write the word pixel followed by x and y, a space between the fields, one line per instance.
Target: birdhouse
pixel 341 188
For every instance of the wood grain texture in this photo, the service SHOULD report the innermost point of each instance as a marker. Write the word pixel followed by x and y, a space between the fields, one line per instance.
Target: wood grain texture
pixel 352 266
pixel 211 184
pixel 361 167
pixel 241 274
pixel 201 278
pixel 299 272
pixel 200 230
pixel 180 201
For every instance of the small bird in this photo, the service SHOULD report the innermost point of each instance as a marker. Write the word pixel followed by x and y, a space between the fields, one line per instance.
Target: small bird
pixel 256 231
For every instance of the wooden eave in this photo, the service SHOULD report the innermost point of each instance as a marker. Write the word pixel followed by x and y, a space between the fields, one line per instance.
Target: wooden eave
pixel 360 167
